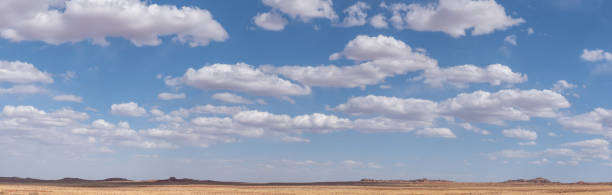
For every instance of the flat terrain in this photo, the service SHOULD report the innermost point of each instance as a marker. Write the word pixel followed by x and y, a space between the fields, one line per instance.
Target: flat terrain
pixel 129 188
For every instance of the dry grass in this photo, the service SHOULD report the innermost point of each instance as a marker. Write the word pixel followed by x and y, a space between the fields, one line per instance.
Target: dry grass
pixel 447 189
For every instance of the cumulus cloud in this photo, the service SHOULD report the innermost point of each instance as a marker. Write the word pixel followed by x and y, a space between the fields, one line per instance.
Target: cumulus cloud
pixel 461 76
pixel 380 57
pixel 520 134
pixel 409 109
pixel 504 105
pixel 239 77
pixel 304 9
pixel 592 143
pixel 231 98
pixel 128 109
pixel 355 15
pixel 207 109
pixel 436 132
pixel 138 21
pixel 571 153
pixel 22 72
pixel 596 55
pixel 379 21
pixel 316 122
pixel 561 85
pixel 22 89
pixel 597 122
pixel 470 127
pixel 68 98
pixel 170 96
pixel 270 21
pixel 386 114
pixel 453 17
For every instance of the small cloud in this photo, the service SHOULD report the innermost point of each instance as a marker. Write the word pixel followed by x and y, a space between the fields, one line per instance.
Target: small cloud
pixel 68 98
pixel 531 143
pixel 68 75
pixel 530 31
pixel 511 39
pixel 295 139
pixel 171 96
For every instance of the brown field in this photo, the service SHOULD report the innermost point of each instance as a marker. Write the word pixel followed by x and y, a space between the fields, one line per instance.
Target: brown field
pixel 380 188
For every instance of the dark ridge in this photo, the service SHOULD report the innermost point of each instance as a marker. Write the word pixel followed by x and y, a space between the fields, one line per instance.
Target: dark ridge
pixel 116 179
pixel 19 180
pixel 118 182
pixel 538 180
pixel 72 180
pixel 423 180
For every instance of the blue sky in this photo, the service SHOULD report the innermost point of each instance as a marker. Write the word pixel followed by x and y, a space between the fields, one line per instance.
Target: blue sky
pixel 287 90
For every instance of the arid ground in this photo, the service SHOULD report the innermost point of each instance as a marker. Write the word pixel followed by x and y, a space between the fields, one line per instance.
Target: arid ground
pixel 360 187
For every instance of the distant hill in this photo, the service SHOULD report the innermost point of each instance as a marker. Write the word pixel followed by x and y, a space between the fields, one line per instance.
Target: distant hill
pixel 538 180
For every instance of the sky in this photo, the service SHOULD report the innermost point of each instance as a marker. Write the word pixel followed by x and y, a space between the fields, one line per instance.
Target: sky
pixel 306 90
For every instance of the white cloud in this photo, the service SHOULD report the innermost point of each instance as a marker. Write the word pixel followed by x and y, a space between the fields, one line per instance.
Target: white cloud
pixel 436 132
pixel 128 109
pixel 530 143
pixel 170 96
pixel 504 105
pixel 140 22
pixel 586 151
pixel 316 122
pixel 596 55
pixel 239 77
pixel 379 21
pixel 304 9
pixel 453 17
pixel 389 114
pixel 381 57
pixel 562 85
pixel 530 31
pixel 592 143
pixel 68 98
pixel 572 162
pixel 207 109
pixel 470 127
pixel 461 76
pixel 539 162
pixel 294 139
pixel 515 154
pixel 357 164
pixel 102 124
pixel 356 15
pixel 22 89
pixel 593 148
pixel 68 75
pixel 520 134
pixel 231 98
pixel 22 72
pixel 270 21
pixel 511 39
pixel 598 122
pixel 29 118
pixel 419 111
